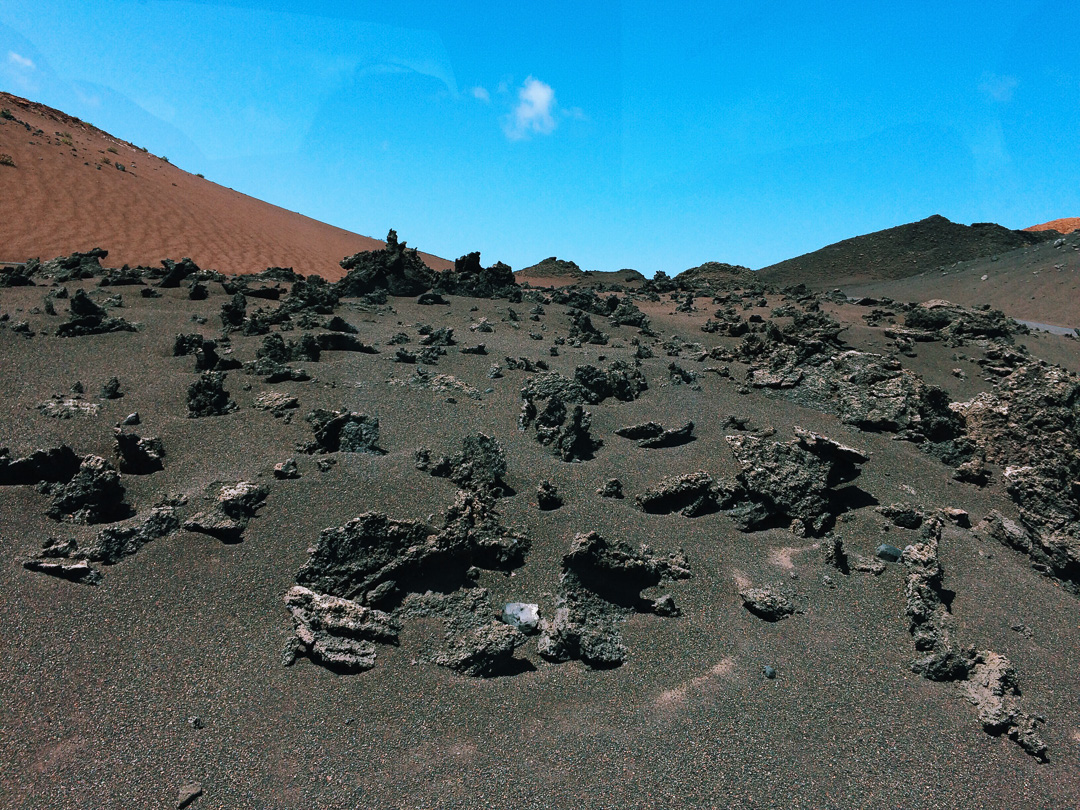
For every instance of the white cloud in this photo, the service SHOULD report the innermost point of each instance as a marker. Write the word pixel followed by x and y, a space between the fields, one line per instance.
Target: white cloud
pixel 998 88
pixel 481 93
pixel 534 111
pixel 20 61
pixel 575 113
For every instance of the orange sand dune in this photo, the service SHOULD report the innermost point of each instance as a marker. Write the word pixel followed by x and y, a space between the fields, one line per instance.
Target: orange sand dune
pixel 66 193
pixel 1066 225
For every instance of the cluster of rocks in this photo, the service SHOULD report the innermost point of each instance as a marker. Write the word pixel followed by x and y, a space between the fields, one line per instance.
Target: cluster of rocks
pixel 399 271
pixel 363 577
pixel 790 484
pixel 479 466
pixel 86 490
pixel 233 507
pixel 805 362
pixel 66 559
pixel 564 425
pixel 88 318
pixel 207 396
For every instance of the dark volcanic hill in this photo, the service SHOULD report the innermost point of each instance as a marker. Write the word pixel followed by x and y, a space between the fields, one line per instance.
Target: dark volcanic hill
pixel 711 273
pixel 555 272
pixel 906 250
pixel 68 186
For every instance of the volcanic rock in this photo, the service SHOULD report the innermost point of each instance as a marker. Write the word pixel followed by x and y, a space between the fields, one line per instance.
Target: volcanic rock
pixel 343 431
pixel 394 269
pixel 207 396
pixel 335 632
pixel 793 481
pixel 767 603
pixel 138 455
pixel 602 582
pixel 692 495
pixel 235 506
pixel 93 495
pixel 547 496
pixel 87 318
pixel 482 651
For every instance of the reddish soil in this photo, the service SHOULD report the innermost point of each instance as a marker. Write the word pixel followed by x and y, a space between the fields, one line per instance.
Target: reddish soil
pixel 1066 225
pixel 65 193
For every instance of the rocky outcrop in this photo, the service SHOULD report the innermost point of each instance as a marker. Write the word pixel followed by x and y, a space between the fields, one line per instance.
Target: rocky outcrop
pixel 408 568
pixel 566 433
pixel 483 651
pixel 985 678
pixel 653 434
pixel 691 495
pixel 395 270
pixel 207 396
pixel 53 466
pixel 547 496
pixel 68 560
pixel 87 318
pixel 138 455
pixel 94 494
pixel 612 488
pixel 470 278
pixel 1030 424
pixel 601 583
pixel 234 507
pixel 344 432
pixel 590 385
pixel 478 467
pixel 337 633
pixel 791 483
pixel 768 603
pixel 173 273
pixel 74 266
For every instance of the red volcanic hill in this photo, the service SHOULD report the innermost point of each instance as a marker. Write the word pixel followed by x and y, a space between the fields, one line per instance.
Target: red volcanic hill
pixel 1066 225
pixel 67 186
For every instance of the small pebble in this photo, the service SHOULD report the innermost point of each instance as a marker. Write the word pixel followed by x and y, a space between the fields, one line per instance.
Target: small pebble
pixel 768 672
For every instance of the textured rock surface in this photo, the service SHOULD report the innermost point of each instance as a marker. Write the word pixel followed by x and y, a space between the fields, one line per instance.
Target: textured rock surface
pixel 335 632
pixel 93 495
pixel 343 431
pixel 139 455
pixel 793 481
pixel 601 582
pixel 985 678
pixel 767 603
pixel 235 505
pixel 207 396
pixel 482 651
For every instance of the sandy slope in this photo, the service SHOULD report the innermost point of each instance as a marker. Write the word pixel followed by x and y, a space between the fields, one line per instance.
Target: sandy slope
pixel 61 196
pixel 1065 225
pixel 1037 283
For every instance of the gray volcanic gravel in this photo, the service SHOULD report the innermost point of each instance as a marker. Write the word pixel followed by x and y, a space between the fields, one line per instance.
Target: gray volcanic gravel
pixel 101 684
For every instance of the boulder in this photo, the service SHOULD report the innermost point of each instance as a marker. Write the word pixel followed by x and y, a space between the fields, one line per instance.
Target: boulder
pixel 138 455
pixel 207 396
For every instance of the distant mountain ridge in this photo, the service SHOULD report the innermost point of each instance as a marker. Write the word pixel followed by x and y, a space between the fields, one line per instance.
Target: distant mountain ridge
pixel 899 252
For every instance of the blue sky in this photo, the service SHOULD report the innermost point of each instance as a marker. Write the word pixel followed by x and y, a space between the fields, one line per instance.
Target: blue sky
pixel 616 134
